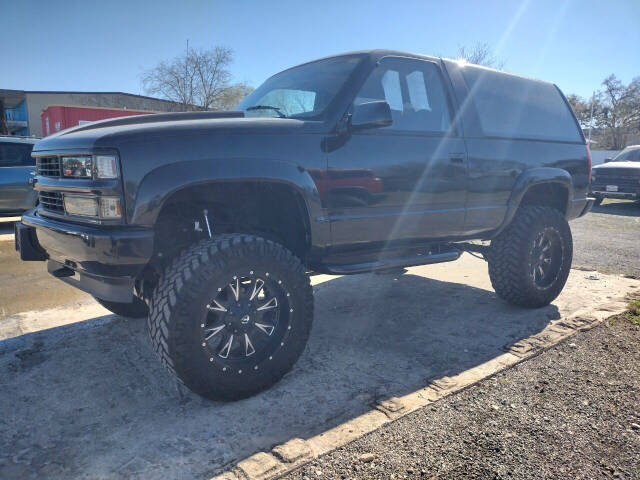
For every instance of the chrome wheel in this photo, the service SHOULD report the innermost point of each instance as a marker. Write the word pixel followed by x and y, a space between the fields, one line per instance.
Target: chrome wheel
pixel 246 320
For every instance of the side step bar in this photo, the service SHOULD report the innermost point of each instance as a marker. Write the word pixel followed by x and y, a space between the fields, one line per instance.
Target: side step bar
pixel 391 263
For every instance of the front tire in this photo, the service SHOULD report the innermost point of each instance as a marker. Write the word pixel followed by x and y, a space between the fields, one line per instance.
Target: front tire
pixel 529 262
pixel 230 316
pixel 136 309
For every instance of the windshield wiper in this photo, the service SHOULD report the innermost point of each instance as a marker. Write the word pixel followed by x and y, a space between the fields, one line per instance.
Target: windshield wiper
pixel 267 107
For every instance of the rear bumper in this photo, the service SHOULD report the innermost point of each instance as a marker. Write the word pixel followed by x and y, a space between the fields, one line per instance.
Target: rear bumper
pixel 579 207
pixel 103 261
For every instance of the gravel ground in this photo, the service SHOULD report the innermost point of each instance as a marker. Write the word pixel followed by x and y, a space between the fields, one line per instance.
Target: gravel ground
pixel 571 412
pixel 608 238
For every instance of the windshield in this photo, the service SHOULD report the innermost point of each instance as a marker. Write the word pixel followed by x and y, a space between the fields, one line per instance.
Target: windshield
pixel 629 155
pixel 300 92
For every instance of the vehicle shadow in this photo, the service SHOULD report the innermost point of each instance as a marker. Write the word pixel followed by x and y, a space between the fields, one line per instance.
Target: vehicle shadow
pixel 91 400
pixel 624 208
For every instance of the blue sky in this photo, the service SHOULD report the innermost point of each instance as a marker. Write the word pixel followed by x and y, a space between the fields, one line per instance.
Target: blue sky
pixel 106 45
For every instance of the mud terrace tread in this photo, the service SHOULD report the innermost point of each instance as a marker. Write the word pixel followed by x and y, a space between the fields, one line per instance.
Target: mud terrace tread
pixel 173 292
pixel 508 252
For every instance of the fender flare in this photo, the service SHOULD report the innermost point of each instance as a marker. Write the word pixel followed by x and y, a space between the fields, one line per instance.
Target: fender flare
pixel 161 183
pixel 531 178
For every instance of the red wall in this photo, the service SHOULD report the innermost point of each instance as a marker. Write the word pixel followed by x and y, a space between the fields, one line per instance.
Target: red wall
pixel 60 117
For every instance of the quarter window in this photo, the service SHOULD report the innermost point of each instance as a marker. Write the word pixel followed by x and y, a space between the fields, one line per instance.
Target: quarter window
pixel 414 91
pixel 509 106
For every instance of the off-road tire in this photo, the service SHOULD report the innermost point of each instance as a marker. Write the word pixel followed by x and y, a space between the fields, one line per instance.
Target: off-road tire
pixel 509 257
pixel 181 298
pixel 137 309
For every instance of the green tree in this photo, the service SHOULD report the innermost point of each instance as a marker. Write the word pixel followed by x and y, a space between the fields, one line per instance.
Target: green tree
pixel 620 110
pixel 615 109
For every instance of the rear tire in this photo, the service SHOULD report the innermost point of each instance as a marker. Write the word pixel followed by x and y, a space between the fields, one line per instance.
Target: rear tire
pixel 529 262
pixel 137 309
pixel 230 316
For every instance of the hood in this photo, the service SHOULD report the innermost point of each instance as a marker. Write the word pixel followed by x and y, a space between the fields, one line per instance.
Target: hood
pixel 604 166
pixel 113 132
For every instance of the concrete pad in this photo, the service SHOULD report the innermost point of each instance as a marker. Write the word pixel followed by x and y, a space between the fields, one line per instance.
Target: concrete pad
pixel 26 286
pixel 90 399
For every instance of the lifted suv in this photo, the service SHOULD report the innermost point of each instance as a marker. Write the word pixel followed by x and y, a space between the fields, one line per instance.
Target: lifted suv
pixel 209 222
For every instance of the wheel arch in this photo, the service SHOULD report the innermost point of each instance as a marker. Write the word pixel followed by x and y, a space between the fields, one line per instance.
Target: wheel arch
pixel 545 186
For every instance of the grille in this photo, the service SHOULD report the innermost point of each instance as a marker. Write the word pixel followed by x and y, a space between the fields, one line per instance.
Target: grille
pixel 48 166
pixel 616 180
pixel 51 202
pixel 618 172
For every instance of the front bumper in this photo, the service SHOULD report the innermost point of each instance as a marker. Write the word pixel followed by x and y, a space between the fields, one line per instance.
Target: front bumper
pixel 622 195
pixel 625 191
pixel 103 261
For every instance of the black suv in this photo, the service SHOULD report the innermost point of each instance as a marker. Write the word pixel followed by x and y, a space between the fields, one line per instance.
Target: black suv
pixel 210 222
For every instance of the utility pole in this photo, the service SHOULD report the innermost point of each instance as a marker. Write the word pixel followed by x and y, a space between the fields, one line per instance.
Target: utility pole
pixel 593 101
pixel 186 64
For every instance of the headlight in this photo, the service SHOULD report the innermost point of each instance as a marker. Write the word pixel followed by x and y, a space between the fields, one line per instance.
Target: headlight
pixel 84 166
pixel 77 167
pixel 106 166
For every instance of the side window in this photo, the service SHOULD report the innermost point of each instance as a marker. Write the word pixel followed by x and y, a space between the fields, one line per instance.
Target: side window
pixel 414 91
pixel 15 154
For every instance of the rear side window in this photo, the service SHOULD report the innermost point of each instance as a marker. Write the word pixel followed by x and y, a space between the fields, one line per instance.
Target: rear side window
pixel 513 107
pixel 16 154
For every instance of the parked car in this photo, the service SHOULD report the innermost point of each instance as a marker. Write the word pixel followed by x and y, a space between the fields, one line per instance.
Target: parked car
pixel 209 222
pixel 17 170
pixel 618 177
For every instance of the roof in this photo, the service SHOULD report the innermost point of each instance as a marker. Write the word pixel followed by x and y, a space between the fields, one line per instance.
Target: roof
pixel 16 139
pixel 139 110
pixel 380 53
pixel 9 92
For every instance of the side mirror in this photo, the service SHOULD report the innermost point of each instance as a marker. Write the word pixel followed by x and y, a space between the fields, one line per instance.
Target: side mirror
pixel 607 160
pixel 371 115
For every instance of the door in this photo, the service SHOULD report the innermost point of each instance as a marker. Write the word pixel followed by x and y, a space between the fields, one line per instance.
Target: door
pixel 403 182
pixel 16 174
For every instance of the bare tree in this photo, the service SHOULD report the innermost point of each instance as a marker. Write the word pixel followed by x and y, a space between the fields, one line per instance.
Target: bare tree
pixel 197 79
pixel 480 54
pixel 233 95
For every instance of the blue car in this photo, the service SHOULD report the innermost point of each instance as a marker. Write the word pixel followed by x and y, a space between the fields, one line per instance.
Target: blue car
pixel 17 171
